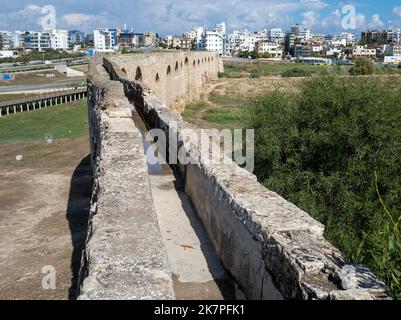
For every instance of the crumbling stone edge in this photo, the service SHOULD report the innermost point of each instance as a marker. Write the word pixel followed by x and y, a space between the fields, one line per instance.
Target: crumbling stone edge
pixel 124 257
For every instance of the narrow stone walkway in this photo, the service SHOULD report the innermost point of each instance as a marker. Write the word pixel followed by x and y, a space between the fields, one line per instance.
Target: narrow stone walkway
pixel 196 269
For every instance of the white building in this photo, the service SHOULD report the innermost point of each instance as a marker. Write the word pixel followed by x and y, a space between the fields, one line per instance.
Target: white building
pixel 243 40
pixel 261 35
pixel 105 40
pixel 276 35
pixel 18 39
pixel 221 28
pixel 58 39
pixel 364 52
pixel 195 36
pixel 274 49
pixel 304 35
pixel 6 40
pixel 9 54
pixel 40 41
pixel 215 39
pixel 397 50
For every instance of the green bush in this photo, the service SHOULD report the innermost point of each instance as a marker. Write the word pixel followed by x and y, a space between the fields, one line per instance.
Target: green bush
pixel 362 67
pixel 296 72
pixel 255 73
pixel 320 149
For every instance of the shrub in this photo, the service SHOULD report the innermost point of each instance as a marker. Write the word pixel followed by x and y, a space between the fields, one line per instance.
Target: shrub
pixel 295 72
pixel 320 149
pixel 255 73
pixel 362 67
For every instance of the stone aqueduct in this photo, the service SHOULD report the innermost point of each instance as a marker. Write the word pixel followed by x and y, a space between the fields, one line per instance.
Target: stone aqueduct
pixel 272 249
pixel 175 78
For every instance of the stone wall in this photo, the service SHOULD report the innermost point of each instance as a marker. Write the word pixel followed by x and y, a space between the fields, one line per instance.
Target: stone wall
pixel 125 257
pixel 173 77
pixel 273 249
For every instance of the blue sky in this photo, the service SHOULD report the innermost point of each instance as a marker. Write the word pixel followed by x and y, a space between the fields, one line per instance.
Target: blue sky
pixel 175 16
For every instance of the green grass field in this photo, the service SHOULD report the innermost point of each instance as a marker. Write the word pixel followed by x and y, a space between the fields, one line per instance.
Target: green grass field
pixel 62 121
pixel 238 70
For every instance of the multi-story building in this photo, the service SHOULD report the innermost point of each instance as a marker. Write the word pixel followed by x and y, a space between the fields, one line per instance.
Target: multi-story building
pixel 90 40
pixel 277 35
pixel 275 50
pixel 360 52
pixel 129 39
pixel 40 41
pixel 76 37
pixel 105 40
pixel 397 50
pixel 195 36
pixel 58 39
pixel 18 39
pixel 261 35
pixel 150 39
pixel 215 39
pixel 302 51
pixel 304 35
pixel 6 40
pixel 381 37
pixel 173 41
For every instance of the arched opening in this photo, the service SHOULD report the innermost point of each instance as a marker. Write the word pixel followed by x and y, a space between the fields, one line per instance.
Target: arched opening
pixel 198 61
pixel 168 70
pixel 138 74
pixel 176 66
pixel 208 59
pixel 194 63
pixel 123 70
pixel 157 77
pixel 186 61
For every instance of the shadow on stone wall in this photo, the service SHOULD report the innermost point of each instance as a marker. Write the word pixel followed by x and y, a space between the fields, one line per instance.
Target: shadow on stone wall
pixel 77 216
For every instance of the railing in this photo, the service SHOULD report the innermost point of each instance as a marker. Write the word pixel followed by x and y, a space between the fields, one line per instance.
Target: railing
pixel 19 105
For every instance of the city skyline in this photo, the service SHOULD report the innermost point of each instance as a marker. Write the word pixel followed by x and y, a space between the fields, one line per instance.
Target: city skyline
pixel 174 17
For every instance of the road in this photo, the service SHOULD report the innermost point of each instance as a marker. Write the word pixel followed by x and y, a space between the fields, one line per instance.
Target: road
pixel 48 86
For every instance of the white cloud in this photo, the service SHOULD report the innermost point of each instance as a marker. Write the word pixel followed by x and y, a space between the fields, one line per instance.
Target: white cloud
pixel 397 11
pixel 77 19
pixel 375 22
pixel 27 17
pixel 88 22
pixel 311 18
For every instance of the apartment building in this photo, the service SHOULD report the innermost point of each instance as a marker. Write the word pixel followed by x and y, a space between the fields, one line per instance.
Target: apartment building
pixel 276 35
pixel 58 39
pixel 6 40
pixel 194 35
pixel 381 37
pixel 105 40
pixel 215 39
pixel 363 52
pixel 40 41
pixel 275 50
pixel 150 39
pixel 76 37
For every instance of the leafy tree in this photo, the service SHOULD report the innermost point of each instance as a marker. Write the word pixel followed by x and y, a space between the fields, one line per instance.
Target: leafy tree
pixel 362 67
pixel 125 50
pixel 320 149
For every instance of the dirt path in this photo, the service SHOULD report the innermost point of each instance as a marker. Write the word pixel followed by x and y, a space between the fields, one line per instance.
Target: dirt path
pixel 44 204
